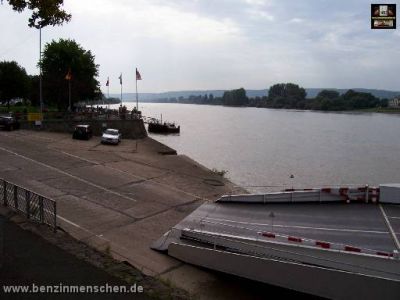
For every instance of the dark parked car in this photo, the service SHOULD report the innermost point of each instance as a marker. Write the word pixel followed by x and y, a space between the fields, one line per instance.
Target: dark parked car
pixel 82 132
pixel 8 123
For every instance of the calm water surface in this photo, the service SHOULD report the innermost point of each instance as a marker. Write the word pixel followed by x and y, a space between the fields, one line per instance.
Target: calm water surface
pixel 263 147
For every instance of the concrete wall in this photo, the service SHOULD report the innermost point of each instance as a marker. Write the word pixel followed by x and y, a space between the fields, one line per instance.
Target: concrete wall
pixel 130 129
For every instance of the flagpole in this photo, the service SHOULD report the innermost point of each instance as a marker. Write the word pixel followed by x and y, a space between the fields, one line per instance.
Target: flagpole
pixel 121 87
pixel 69 100
pixel 137 98
pixel 108 92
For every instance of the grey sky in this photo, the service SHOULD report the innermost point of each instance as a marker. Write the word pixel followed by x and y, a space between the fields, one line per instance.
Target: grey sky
pixel 219 44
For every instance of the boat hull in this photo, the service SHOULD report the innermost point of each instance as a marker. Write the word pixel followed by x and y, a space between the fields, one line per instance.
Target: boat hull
pixel 161 128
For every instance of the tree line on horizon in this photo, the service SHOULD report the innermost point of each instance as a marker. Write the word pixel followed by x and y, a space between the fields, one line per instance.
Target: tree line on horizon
pixel 289 96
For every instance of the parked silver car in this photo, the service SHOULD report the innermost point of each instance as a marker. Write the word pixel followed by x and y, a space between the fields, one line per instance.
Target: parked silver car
pixel 111 136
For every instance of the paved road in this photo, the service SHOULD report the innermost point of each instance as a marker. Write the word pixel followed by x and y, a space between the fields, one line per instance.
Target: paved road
pixel 123 197
pixel 28 259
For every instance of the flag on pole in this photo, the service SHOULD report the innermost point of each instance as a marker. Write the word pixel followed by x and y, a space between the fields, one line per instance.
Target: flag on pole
pixel 108 81
pixel 138 76
pixel 120 79
pixel 69 75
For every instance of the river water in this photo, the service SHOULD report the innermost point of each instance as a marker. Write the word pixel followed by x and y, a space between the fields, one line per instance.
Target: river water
pixel 261 148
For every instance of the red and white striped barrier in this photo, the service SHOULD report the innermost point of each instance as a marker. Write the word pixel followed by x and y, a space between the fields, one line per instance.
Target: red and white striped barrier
pixel 349 194
pixel 324 244
pixel 322 195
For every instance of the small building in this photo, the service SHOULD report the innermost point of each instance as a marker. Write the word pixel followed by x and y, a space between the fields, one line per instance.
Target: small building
pixel 394 103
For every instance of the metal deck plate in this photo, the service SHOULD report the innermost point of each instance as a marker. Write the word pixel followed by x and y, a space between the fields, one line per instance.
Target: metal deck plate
pixel 359 225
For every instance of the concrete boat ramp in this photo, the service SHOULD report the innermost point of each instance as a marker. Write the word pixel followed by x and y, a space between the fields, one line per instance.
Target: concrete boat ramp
pixel 325 242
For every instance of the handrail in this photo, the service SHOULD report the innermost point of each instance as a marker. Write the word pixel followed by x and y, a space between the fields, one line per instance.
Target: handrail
pixel 36 207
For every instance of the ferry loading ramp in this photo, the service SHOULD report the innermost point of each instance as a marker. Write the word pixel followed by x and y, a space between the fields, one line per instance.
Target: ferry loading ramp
pixel 329 248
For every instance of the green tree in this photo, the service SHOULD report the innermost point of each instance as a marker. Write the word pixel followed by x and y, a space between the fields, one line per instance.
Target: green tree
pixel 286 95
pixel 44 12
pixel 235 97
pixel 58 58
pixel 384 102
pixel 14 82
pixel 34 90
pixel 332 100
pixel 328 100
pixel 358 100
pixel 328 94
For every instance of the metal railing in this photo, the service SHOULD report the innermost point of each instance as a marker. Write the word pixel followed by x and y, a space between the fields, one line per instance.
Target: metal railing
pixel 34 206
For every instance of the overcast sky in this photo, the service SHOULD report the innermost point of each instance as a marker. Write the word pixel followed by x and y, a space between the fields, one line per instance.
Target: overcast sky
pixel 219 44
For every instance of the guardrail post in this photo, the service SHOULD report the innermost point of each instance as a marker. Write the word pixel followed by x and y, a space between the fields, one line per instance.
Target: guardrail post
pixel 28 203
pixel 4 193
pixel 41 212
pixel 55 216
pixel 15 197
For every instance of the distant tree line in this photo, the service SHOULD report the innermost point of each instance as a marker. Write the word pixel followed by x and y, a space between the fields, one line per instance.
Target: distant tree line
pixel 289 96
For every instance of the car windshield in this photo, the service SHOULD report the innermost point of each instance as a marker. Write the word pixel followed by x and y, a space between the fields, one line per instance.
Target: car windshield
pixel 111 131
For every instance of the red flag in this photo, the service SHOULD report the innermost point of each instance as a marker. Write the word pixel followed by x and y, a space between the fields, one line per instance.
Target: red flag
pixel 69 75
pixel 108 81
pixel 138 76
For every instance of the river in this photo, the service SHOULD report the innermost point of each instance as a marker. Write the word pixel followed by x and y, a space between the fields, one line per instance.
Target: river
pixel 262 148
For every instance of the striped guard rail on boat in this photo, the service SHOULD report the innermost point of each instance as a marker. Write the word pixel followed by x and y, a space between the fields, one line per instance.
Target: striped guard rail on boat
pixel 335 194
pixel 236 242
pixel 326 245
